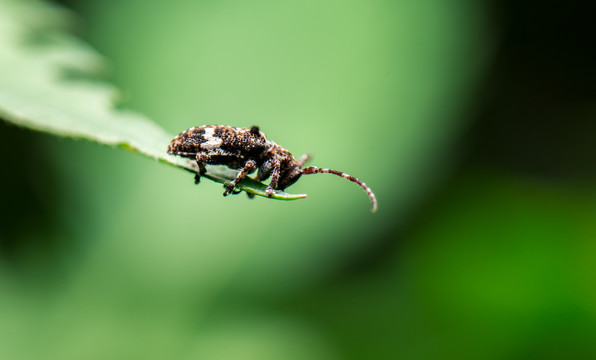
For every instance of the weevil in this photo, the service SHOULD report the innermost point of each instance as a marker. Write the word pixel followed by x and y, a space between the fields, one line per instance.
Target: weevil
pixel 247 150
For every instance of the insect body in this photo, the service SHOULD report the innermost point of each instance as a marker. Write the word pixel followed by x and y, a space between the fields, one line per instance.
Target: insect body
pixel 248 150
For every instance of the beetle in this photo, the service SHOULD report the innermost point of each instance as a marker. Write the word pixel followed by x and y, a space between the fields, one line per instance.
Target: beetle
pixel 247 150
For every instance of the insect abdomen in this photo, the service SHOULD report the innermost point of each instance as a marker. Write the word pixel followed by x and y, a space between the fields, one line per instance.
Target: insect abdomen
pixel 188 143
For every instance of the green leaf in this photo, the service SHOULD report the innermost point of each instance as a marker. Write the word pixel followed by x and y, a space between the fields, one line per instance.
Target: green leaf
pixel 47 84
pixel 224 175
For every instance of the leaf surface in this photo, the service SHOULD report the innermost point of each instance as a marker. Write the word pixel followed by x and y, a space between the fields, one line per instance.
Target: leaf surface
pixel 47 84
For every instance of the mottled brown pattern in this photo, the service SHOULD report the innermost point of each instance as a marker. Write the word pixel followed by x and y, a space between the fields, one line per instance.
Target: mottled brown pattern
pixel 247 150
pixel 187 142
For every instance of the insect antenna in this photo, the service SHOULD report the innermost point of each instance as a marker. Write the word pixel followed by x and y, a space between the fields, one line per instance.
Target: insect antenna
pixel 316 170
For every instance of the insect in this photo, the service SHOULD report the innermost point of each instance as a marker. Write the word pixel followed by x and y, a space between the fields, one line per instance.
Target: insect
pixel 248 150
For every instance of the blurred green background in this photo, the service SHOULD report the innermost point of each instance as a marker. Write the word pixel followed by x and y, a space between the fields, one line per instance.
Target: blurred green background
pixel 471 120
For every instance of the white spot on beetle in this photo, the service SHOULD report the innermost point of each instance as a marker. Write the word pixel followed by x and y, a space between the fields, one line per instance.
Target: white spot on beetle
pixel 213 142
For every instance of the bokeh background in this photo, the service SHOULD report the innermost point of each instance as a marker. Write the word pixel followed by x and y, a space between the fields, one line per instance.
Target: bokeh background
pixel 473 121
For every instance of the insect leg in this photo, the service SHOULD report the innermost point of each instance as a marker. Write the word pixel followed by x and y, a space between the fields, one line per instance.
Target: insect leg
pixel 201 161
pixel 249 167
pixel 265 170
pixel 274 178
